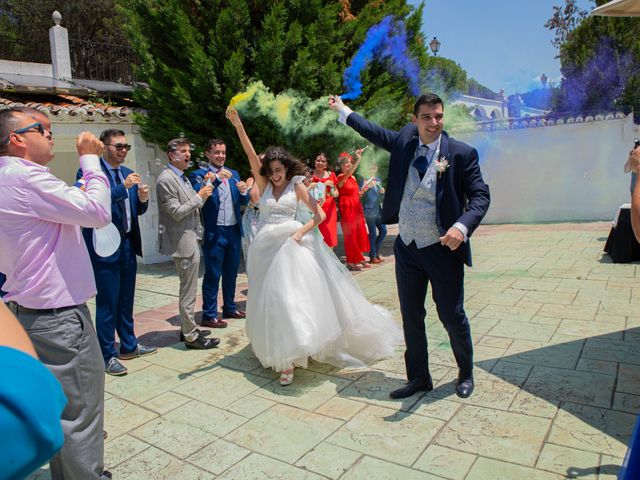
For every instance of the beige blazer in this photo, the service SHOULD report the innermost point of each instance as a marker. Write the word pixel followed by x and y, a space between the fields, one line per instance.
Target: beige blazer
pixel 179 206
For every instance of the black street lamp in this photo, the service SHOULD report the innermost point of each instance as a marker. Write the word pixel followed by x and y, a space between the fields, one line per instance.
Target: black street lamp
pixel 434 45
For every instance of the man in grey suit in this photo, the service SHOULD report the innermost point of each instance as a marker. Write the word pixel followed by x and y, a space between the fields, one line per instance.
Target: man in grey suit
pixel 179 227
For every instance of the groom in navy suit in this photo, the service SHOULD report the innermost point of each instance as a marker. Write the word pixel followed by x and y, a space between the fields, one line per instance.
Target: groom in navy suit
pixel 436 193
pixel 222 233
pixel 115 275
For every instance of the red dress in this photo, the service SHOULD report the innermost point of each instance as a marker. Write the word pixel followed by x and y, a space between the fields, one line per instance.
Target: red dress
pixel 329 228
pixel 356 239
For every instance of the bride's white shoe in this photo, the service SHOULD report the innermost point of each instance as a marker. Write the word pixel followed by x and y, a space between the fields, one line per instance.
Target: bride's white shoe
pixel 286 377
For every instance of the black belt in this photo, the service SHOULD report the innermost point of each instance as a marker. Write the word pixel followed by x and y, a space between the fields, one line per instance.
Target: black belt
pixel 126 236
pixel 13 306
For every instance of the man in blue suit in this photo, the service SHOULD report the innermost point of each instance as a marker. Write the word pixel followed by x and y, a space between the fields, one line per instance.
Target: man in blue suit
pixel 116 274
pixel 221 244
pixel 436 193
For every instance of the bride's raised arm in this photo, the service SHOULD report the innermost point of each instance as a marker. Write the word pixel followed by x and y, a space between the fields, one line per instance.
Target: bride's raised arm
pixel 254 161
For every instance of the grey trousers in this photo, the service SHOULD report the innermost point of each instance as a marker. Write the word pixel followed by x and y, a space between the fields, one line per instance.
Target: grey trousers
pixel 66 342
pixel 187 269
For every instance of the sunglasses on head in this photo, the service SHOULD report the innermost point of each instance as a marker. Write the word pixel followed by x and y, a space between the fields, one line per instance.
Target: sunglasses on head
pixel 36 127
pixel 120 146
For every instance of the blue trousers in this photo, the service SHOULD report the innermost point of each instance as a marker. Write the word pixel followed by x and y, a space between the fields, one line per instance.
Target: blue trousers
pixel 416 268
pixel 221 253
pixel 377 233
pixel 116 284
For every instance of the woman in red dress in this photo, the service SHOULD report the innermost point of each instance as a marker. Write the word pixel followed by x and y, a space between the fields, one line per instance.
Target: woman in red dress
pixel 328 228
pixel 352 222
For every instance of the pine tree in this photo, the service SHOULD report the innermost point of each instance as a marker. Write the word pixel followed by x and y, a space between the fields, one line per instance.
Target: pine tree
pixel 197 54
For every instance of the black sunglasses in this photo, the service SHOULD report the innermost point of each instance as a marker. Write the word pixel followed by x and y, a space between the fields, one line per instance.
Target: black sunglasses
pixel 120 146
pixel 34 126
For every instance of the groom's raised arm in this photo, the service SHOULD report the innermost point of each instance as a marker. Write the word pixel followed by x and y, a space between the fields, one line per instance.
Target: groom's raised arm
pixel 379 136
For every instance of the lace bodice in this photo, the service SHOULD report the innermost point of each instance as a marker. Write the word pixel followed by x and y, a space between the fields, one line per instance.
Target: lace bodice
pixel 282 210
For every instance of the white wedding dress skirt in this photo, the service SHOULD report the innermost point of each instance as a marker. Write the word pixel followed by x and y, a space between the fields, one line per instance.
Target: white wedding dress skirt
pixel 302 301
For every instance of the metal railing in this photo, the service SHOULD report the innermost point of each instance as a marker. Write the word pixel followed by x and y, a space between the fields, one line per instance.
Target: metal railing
pixel 552 118
pixel 102 61
pixel 14 49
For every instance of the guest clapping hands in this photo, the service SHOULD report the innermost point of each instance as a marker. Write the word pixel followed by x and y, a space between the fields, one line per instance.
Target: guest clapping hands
pixel 356 240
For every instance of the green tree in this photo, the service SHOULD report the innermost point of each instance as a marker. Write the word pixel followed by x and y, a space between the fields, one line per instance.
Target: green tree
pixel 476 89
pixel 197 54
pixel 600 60
pixel 564 20
pixel 445 76
pixel 24 25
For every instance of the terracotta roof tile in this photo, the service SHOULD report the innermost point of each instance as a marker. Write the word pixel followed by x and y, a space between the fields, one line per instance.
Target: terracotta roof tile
pixel 69 105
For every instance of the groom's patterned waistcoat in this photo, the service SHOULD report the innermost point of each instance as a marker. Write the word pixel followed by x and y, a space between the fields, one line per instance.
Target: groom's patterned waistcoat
pixel 417 217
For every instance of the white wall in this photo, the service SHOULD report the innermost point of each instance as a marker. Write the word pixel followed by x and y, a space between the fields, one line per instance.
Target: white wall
pixel 542 174
pixel 26 68
pixel 556 173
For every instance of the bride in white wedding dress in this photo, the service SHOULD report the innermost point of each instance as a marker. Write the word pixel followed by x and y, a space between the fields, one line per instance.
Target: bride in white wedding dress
pixel 302 301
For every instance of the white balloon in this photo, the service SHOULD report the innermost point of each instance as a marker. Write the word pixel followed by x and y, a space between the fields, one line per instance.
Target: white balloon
pixel 106 240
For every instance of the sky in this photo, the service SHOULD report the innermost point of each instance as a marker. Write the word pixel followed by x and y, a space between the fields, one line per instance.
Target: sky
pixel 503 44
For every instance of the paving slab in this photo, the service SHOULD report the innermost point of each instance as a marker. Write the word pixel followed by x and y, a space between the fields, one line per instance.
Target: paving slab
pixel 556 332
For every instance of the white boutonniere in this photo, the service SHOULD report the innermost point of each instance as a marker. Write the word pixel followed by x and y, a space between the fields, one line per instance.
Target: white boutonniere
pixel 441 165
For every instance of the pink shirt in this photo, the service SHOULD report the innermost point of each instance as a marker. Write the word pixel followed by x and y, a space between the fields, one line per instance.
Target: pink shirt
pixel 42 251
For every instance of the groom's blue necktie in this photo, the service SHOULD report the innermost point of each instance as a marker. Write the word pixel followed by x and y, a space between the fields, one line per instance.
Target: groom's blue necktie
pixel 421 163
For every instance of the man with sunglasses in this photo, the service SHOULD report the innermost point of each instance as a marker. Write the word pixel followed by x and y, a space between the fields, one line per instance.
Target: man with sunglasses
pixel 49 277
pixel 115 275
pixel 43 120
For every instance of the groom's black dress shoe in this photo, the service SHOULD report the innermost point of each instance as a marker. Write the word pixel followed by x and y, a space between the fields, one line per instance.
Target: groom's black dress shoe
pixel 464 387
pixel 411 387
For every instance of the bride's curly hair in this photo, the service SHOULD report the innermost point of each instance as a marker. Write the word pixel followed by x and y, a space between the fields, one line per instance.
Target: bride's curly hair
pixel 293 166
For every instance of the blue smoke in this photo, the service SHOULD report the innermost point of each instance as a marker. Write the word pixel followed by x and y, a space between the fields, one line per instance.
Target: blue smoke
pixel 384 41
pixel 600 82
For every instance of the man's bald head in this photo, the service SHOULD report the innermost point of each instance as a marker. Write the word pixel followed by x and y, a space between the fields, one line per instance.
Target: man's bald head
pixel 23 136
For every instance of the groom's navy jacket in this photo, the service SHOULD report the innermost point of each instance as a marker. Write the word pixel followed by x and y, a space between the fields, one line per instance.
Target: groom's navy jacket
pixel 461 194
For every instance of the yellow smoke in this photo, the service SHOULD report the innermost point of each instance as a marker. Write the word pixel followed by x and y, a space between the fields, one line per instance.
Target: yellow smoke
pixel 247 95
pixel 278 107
pixel 283 107
pixel 303 117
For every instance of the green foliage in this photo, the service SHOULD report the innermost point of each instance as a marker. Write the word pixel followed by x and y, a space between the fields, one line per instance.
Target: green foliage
pixel 476 89
pixel 444 76
pixel 600 60
pixel 564 20
pixel 196 55
pixel 28 21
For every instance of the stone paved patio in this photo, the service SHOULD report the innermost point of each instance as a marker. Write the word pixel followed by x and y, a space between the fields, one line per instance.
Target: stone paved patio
pixel 556 333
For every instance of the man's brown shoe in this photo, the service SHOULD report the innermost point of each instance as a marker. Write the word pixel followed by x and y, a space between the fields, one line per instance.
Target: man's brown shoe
pixel 374 260
pixel 214 323
pixel 236 314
